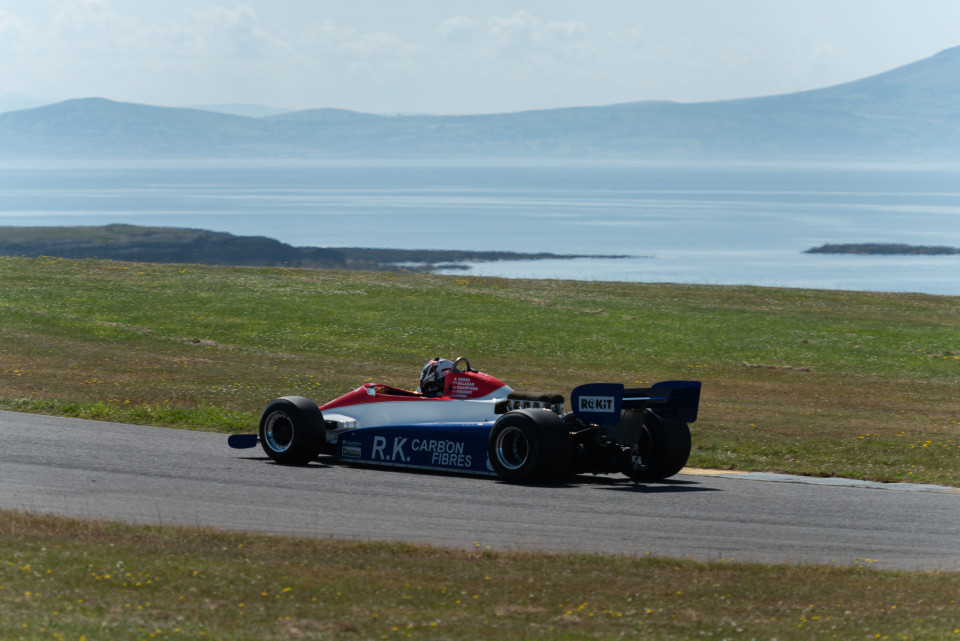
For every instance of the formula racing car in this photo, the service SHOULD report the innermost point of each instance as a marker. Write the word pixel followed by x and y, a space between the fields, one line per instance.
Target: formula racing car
pixel 462 420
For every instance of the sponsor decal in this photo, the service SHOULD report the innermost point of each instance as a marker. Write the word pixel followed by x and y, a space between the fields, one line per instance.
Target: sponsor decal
pixel 597 404
pixel 463 387
pixel 403 449
pixel 351 450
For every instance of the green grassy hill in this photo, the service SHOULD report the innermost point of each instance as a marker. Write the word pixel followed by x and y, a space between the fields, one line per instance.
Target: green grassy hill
pixel 838 383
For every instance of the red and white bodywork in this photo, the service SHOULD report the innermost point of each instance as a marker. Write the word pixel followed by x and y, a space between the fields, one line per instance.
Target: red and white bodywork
pixel 468 397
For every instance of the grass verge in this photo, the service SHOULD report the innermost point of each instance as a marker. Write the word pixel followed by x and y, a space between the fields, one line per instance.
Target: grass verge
pixel 825 383
pixel 67 579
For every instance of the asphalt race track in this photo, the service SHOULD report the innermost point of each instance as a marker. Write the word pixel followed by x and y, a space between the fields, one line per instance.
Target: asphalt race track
pixel 160 476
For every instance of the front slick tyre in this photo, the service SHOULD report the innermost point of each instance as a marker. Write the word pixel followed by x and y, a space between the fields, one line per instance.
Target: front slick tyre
pixel 529 446
pixel 291 430
pixel 664 448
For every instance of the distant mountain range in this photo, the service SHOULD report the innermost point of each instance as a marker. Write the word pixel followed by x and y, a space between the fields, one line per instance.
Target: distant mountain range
pixel 251 111
pixel 912 112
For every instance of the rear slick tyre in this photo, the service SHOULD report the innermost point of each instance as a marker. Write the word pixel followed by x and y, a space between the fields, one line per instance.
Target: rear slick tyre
pixel 529 446
pixel 291 430
pixel 664 447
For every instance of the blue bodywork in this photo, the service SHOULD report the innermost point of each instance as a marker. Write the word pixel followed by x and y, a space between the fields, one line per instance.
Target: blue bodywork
pixel 446 447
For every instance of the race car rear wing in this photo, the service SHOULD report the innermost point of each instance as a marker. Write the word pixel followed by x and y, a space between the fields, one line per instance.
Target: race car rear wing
pixel 602 403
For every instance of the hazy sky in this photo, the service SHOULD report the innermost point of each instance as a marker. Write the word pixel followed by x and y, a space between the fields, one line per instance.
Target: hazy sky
pixel 452 56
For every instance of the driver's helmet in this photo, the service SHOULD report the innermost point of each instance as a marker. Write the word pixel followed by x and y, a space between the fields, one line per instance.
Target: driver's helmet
pixel 431 378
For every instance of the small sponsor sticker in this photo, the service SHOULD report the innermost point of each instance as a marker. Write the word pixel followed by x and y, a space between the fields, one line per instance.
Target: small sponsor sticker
pixel 351 450
pixel 597 404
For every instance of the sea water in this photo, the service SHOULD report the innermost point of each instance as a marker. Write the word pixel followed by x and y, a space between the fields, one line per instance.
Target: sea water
pixel 709 223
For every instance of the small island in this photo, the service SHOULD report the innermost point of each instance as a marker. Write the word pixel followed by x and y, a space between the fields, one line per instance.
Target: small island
pixel 884 249
pixel 196 246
